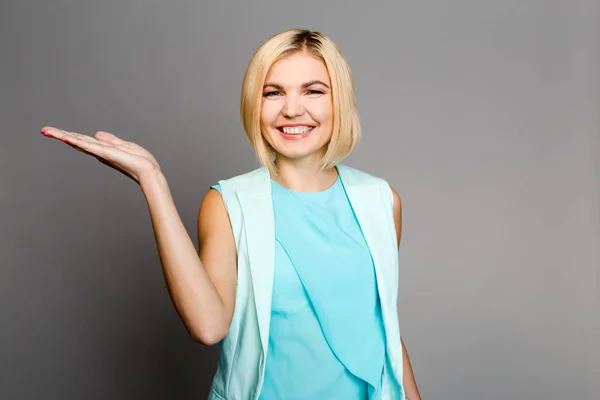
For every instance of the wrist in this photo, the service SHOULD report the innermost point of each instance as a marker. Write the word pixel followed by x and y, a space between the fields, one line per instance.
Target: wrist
pixel 152 180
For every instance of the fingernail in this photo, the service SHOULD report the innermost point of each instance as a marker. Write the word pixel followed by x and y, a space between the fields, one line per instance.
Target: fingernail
pixel 64 140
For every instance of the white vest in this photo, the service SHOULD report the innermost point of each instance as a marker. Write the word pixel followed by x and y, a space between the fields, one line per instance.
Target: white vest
pixel 241 367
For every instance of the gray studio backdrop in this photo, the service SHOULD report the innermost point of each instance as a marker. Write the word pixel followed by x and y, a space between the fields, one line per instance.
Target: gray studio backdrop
pixel 484 115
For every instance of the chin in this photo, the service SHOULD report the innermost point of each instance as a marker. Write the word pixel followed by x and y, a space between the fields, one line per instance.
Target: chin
pixel 299 154
pixel 297 149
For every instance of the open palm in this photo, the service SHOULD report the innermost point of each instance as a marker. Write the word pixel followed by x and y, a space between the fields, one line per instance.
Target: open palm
pixel 127 157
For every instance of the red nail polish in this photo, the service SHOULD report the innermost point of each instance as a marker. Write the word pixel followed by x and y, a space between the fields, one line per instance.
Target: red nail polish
pixel 64 140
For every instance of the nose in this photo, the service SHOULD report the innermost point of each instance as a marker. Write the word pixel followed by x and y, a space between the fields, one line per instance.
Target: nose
pixel 293 106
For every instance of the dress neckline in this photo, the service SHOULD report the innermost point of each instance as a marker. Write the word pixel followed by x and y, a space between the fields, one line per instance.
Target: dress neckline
pixel 301 193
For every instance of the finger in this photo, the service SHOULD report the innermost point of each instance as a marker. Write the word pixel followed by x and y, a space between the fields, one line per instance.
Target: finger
pixel 54 132
pixel 60 134
pixel 51 132
pixel 103 151
pixel 80 149
pixel 109 141
pixel 75 140
pixel 108 137
pixel 73 135
pixel 87 145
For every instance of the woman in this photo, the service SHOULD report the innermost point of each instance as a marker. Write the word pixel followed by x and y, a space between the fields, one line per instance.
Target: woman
pixel 296 274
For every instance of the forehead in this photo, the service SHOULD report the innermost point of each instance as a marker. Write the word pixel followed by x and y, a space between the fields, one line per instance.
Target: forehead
pixel 296 69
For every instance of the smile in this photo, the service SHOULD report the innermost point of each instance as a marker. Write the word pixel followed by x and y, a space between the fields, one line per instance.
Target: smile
pixel 295 130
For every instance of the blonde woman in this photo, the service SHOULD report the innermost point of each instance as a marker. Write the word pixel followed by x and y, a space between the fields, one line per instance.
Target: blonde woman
pixel 296 276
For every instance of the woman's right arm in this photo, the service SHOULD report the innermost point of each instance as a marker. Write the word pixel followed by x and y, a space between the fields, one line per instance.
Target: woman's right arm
pixel 201 285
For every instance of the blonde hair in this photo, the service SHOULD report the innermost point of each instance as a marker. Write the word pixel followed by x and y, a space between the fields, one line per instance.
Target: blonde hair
pixel 346 126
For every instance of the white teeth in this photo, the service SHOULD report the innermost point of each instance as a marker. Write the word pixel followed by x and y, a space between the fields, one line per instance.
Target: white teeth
pixel 297 130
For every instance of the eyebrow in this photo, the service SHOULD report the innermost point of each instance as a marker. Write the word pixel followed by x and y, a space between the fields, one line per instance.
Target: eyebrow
pixel 304 85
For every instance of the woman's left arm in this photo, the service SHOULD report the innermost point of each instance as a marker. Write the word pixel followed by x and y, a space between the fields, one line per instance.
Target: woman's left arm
pixel 409 383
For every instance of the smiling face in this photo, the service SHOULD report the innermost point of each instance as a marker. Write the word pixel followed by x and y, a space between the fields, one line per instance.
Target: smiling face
pixel 296 108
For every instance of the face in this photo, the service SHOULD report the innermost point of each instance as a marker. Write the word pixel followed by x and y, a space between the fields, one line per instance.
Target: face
pixel 296 108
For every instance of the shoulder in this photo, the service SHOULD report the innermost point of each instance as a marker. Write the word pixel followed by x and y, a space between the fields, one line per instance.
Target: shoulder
pixel 244 181
pixel 212 214
pixel 355 177
pixel 391 196
pixel 397 214
pixel 215 198
pixel 396 197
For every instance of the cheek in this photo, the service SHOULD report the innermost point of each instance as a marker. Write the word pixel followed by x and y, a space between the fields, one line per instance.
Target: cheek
pixel 268 113
pixel 323 112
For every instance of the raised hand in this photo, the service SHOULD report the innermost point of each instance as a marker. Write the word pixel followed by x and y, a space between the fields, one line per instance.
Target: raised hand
pixel 126 157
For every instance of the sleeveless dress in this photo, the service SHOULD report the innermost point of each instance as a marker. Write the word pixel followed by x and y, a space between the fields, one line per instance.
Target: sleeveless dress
pixel 326 337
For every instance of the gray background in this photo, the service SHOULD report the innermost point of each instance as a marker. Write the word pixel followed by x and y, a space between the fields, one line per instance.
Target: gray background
pixel 484 115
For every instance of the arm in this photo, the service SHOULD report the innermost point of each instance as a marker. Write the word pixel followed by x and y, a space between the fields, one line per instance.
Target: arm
pixel 201 285
pixel 409 383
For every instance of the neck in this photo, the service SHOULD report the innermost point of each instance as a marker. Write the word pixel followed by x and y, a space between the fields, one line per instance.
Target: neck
pixel 304 175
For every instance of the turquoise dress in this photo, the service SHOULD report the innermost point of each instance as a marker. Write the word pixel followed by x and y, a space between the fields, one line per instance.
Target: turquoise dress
pixel 326 336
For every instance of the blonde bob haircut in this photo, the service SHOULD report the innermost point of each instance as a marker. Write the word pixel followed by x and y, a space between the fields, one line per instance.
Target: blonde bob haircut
pixel 346 126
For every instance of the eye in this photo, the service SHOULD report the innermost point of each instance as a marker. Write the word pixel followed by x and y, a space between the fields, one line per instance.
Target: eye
pixel 312 92
pixel 272 94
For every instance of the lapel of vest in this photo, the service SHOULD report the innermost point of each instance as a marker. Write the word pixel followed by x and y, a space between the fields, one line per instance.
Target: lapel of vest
pixel 259 225
pixel 368 205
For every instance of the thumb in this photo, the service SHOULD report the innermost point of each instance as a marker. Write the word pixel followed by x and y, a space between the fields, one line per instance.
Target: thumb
pixel 108 137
